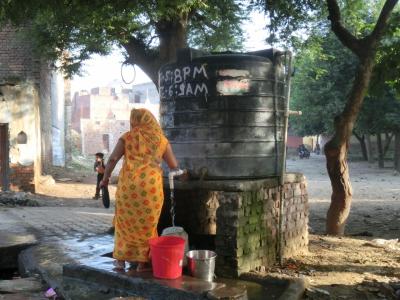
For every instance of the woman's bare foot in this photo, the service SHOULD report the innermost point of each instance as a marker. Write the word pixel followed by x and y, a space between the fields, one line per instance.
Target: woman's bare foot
pixel 132 265
pixel 119 264
pixel 143 267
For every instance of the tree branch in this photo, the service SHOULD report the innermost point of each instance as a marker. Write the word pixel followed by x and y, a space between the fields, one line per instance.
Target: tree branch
pixel 382 21
pixel 387 142
pixel 358 137
pixel 143 56
pixel 366 44
pixel 366 53
pixel 205 21
pixel 345 37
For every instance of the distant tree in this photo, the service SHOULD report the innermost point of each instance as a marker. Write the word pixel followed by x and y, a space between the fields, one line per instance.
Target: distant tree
pixel 379 115
pixel 321 83
pixel 323 77
pixel 149 31
pixel 387 72
pixel 287 17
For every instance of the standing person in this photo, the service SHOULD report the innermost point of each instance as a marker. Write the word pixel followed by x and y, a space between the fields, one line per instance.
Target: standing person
pixel 139 196
pixel 317 149
pixel 99 168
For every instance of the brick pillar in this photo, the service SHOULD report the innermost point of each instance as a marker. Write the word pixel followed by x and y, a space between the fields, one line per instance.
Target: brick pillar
pixel 230 240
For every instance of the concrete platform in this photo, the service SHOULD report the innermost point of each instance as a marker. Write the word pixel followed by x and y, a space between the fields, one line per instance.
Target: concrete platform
pixel 82 269
pixel 76 265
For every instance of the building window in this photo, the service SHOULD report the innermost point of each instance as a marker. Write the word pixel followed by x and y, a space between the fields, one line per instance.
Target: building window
pixel 106 142
pixel 22 138
pixel 137 98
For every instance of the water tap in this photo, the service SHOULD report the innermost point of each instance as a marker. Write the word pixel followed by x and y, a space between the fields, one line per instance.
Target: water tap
pixel 172 174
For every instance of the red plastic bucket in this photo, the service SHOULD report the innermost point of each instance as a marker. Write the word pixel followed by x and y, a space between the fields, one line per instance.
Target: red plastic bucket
pixel 167 256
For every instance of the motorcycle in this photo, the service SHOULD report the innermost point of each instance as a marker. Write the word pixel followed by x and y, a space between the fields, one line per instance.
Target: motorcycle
pixel 303 152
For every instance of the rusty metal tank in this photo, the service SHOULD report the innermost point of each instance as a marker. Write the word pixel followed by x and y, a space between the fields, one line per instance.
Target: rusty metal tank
pixel 224 113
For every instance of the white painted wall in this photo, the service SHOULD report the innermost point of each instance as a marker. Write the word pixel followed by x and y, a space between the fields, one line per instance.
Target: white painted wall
pixel 57 118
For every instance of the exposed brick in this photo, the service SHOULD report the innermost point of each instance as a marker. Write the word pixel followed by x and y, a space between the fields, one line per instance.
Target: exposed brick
pixel 21 178
pixel 247 223
pixel 16 58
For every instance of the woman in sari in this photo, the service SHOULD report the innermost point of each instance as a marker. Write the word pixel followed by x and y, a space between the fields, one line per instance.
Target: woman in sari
pixel 139 196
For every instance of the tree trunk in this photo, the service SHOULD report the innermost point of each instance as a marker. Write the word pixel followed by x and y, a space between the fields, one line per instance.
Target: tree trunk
pixel 364 148
pixel 381 163
pixel 338 171
pixel 172 35
pixel 388 140
pixel 397 151
pixel 370 150
pixel 336 149
pixel 361 140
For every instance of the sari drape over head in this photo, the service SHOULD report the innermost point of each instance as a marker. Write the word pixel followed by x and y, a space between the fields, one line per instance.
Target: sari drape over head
pixel 139 196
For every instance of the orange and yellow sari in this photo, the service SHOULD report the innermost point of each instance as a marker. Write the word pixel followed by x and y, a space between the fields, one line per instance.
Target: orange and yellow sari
pixel 139 196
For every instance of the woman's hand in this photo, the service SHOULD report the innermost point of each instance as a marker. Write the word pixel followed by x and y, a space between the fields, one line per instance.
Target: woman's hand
pixel 104 182
pixel 184 176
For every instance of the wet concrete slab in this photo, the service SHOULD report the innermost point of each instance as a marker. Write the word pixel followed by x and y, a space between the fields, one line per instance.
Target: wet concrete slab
pixel 48 257
pixel 81 268
pixel 128 298
pixel 22 297
pixel 20 239
pixel 14 238
pixel 185 287
pixel 20 285
pixel 95 266
pixel 128 284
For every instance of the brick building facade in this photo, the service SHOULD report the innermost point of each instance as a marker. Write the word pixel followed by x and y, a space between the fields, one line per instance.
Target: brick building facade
pixel 101 116
pixel 32 107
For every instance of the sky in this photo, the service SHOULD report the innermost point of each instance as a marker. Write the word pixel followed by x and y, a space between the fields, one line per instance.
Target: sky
pixel 106 70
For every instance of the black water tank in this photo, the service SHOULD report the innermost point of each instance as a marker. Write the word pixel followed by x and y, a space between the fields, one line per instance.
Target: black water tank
pixel 224 113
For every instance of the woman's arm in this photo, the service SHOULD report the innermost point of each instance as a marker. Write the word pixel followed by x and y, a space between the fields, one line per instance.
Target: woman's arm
pixel 115 156
pixel 169 157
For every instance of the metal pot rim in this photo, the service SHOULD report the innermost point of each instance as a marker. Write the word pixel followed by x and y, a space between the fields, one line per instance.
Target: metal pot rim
pixel 214 255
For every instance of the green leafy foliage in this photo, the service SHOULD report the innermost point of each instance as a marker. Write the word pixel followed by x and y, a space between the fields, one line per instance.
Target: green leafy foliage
pixel 325 72
pixel 380 113
pixel 387 69
pixel 323 77
pixel 82 28
pixel 291 19
pixel 218 26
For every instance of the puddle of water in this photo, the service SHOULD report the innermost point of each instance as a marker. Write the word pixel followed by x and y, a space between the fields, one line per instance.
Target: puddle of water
pixel 96 252
pixel 256 291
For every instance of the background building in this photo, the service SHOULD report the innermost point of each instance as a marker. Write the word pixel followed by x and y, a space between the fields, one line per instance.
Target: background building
pixel 34 101
pixel 102 115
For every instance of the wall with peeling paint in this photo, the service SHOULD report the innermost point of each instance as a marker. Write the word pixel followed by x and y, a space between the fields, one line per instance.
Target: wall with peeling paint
pixel 31 92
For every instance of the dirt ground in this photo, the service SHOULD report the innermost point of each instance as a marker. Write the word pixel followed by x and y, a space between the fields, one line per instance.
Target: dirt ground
pixel 356 266
pixel 71 188
pixel 351 267
pixel 376 197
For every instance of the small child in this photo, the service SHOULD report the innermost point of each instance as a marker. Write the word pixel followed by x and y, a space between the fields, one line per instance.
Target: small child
pixel 99 168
